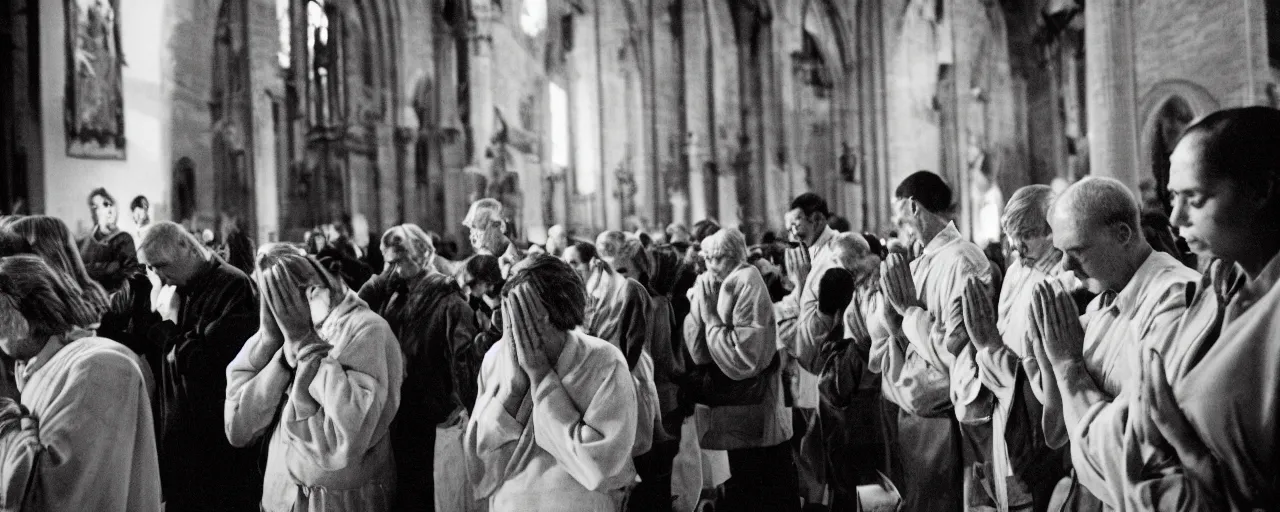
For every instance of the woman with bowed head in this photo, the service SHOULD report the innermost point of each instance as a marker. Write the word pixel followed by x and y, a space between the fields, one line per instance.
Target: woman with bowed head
pixel 330 370
pixel 82 437
pixel 731 337
pixel 436 328
pixel 555 416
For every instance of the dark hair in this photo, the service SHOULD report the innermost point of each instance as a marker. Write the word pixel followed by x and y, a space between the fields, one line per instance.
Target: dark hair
pixel 667 268
pixel 139 202
pixel 926 188
pixel 483 268
pixel 840 224
pixel 555 282
pixel 810 203
pixel 49 301
pixel 877 248
pixel 1241 145
pixel 100 191
pixel 586 251
pixel 704 228
pixel 49 238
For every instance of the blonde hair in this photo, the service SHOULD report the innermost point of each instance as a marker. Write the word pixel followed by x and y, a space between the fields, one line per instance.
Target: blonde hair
pixel 728 243
pixel 412 241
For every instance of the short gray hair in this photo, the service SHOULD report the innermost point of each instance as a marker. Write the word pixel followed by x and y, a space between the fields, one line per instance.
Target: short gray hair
pixel 165 237
pixel 1097 201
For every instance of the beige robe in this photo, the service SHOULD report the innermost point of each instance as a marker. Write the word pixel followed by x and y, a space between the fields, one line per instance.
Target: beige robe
pixel 794 337
pixel 336 457
pixel 742 347
pixel 1230 393
pixel 573 454
pixel 1147 313
pixel 95 423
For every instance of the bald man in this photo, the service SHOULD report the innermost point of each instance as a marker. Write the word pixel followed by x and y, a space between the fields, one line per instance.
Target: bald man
pixel 1143 294
pixel 212 314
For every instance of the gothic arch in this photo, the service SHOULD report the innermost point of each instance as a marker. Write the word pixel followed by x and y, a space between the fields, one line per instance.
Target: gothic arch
pixel 1165 110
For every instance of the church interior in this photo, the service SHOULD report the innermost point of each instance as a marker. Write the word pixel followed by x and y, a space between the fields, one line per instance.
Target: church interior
pixel 602 114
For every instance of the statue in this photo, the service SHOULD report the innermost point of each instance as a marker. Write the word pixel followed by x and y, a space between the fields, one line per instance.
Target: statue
pixel 500 179
pixel 849 163
pixel 985 196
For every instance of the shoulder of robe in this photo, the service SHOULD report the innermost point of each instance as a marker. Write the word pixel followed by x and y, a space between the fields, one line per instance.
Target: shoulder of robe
pixel 101 360
pixel 598 353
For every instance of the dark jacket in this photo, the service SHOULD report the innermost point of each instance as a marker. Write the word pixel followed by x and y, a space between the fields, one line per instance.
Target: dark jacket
pixel 199 469
pixel 436 329
pixel 110 259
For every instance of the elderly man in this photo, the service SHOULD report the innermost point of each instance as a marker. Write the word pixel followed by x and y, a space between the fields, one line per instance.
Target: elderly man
pixel 938 370
pixel 833 344
pixel 488 233
pixel 1141 301
pixel 557 240
pixel 1003 341
pixel 436 328
pixel 806 222
pixel 210 316
pixel 555 418
pixel 1207 416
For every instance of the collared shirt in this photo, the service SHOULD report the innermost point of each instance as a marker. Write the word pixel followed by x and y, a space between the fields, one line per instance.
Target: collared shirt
pixel 798 334
pixel 1146 313
pixel 1231 397
pixel 940 276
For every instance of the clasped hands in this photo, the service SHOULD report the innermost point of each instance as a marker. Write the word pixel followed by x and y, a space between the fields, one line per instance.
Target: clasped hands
pixel 899 290
pixel 1056 325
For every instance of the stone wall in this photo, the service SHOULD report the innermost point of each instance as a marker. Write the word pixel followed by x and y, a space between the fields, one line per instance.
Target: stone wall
pixel 144 35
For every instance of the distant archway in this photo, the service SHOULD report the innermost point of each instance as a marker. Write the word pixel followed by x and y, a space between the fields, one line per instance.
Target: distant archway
pixel 1166 110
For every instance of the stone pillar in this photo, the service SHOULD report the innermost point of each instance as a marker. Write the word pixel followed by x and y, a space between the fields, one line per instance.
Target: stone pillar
pixel 1112 87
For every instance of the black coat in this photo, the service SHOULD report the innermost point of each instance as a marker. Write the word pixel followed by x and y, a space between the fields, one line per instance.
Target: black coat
pixel 199 469
pixel 436 329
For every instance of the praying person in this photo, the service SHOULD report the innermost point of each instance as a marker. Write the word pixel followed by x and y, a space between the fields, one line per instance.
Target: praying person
pixel 936 386
pixel 832 342
pixel 330 370
pixel 1202 426
pixel 618 311
pixel 1006 361
pixel 731 335
pixel 86 395
pixel 555 416
pixel 621 310
pixel 1143 294
pixel 202 326
pixel 436 328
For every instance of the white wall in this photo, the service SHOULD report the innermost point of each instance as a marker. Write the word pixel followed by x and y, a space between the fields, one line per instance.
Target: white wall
pixel 67 181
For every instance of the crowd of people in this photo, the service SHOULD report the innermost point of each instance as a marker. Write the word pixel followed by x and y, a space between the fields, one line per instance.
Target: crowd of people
pixel 1103 368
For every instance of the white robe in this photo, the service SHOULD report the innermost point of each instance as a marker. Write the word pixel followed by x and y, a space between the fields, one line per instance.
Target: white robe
pixel 90 399
pixel 574 451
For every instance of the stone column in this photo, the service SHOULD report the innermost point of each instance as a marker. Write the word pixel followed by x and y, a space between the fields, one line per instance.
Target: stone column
pixel 1112 86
